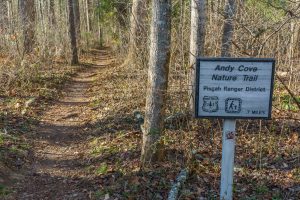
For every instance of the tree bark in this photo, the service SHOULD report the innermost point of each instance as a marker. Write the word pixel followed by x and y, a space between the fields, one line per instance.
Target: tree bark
pixel 91 14
pixel 230 9
pixel 100 27
pixel 87 10
pixel 3 16
pixel 77 19
pixel 295 28
pixel 138 14
pixel 197 42
pixel 52 13
pixel 72 32
pixel 27 12
pixel 122 13
pixel 157 79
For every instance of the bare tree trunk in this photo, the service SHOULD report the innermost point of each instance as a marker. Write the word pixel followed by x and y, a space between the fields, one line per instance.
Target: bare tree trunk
pixel 122 13
pixel 90 8
pixel 52 13
pixel 3 15
pixel 157 79
pixel 87 16
pixel 230 9
pixel 40 16
pixel 100 28
pixel 72 32
pixel 27 12
pixel 136 24
pixel 77 19
pixel 294 27
pixel 197 42
pixel 9 15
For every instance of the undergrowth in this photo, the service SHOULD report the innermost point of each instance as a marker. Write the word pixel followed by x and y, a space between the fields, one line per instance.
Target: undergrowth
pixel 26 86
pixel 267 152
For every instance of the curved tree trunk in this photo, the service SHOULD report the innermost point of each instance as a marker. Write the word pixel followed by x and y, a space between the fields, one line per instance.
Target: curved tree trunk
pixel 27 12
pixel 157 79
pixel 72 32
pixel 197 42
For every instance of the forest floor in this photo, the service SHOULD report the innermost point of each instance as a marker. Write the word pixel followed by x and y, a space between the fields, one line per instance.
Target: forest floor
pixel 59 141
pixel 86 143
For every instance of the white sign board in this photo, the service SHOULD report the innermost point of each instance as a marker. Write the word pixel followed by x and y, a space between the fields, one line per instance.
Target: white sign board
pixel 234 87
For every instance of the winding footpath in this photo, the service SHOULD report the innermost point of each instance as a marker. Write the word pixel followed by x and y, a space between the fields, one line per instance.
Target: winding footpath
pixel 60 142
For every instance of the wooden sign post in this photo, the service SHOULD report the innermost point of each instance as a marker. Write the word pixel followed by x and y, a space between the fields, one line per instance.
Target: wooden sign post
pixel 233 88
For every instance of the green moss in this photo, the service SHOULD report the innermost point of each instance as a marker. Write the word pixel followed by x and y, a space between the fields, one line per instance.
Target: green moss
pixel 102 169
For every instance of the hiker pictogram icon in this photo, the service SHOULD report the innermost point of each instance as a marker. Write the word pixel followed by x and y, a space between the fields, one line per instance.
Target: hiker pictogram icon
pixel 233 105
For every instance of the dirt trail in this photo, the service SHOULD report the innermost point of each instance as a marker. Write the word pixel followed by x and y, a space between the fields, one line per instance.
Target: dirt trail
pixel 60 142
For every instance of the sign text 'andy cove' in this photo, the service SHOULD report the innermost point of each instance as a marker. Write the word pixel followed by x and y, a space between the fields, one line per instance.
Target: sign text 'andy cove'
pixel 234 87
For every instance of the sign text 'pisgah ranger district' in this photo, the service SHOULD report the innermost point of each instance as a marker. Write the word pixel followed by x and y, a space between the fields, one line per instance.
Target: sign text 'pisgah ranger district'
pixel 234 87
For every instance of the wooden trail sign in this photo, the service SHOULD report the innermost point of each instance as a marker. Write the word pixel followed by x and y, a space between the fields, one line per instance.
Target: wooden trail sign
pixel 233 88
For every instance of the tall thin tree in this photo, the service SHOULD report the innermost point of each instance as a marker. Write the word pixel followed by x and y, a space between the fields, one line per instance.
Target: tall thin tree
pixel 229 14
pixel 3 15
pixel 27 12
pixel 157 79
pixel 90 8
pixel 197 42
pixel 230 9
pixel 72 32
pixel 52 13
pixel 77 19
pixel 122 12
pixel 87 12
pixel 138 13
pixel 100 26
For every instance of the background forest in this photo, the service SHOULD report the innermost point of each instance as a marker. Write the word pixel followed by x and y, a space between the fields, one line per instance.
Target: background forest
pixel 89 146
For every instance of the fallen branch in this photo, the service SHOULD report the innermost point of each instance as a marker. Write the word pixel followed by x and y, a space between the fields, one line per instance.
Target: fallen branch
pixel 180 179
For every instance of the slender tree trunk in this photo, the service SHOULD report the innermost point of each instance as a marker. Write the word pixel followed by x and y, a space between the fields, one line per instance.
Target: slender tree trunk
pixel 52 13
pixel 90 8
pixel 157 79
pixel 137 20
pixel 40 8
pixel 100 28
pixel 294 27
pixel 9 15
pixel 197 42
pixel 122 13
pixel 27 12
pixel 87 16
pixel 72 32
pixel 3 16
pixel 77 19
pixel 230 9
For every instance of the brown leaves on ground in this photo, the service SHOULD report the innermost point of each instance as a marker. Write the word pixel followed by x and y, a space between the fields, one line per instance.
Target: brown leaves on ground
pixel 97 143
